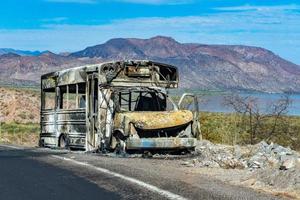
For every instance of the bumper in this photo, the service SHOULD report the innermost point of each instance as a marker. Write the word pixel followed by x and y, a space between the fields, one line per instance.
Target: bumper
pixel 161 143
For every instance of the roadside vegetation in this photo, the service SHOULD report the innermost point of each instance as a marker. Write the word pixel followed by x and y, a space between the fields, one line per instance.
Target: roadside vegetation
pixel 224 128
pixel 19 120
pixel 26 134
pixel 19 115
pixel 250 122
pixel 233 128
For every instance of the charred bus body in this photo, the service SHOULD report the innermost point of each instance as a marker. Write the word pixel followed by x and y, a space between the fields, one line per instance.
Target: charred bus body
pixel 119 105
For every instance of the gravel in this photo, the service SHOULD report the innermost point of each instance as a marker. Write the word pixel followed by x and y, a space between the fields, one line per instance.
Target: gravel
pixel 267 167
pixel 261 155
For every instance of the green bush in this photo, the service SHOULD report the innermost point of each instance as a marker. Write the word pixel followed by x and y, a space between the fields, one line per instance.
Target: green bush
pixel 232 128
pixel 14 128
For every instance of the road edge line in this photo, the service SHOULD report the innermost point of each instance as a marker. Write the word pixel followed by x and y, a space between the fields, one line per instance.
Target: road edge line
pixel 147 186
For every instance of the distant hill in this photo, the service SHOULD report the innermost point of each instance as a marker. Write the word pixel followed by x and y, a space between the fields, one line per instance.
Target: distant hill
pixel 27 70
pixel 211 67
pixel 19 52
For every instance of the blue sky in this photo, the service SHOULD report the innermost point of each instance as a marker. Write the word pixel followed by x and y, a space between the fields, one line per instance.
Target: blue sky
pixel 70 25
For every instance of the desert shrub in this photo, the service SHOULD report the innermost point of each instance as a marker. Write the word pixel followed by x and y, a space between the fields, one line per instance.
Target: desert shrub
pixel 229 128
pixel 22 115
pixel 16 133
pixel 31 116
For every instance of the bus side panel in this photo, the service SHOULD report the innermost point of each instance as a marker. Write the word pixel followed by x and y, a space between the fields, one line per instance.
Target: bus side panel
pixel 72 123
pixel 48 130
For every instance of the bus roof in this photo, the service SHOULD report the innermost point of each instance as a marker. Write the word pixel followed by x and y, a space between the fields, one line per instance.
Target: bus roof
pixel 117 73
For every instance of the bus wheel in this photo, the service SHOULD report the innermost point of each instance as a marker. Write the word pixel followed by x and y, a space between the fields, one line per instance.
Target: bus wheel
pixel 62 142
pixel 41 143
pixel 121 148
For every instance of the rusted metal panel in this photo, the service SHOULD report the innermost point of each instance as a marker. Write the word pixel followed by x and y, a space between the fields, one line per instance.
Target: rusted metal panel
pixel 71 77
pixel 132 71
pixel 71 121
pixel 68 122
pixel 123 73
pixel 47 122
pixel 49 82
pixel 154 120
pixel 144 74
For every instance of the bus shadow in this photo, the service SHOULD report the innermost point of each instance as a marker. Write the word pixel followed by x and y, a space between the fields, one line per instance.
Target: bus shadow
pixel 17 152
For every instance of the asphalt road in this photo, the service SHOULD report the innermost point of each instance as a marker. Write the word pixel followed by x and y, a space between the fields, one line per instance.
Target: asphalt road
pixel 47 174
pixel 23 178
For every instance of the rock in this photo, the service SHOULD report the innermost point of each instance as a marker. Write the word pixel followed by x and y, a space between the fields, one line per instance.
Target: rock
pixel 272 161
pixel 254 164
pixel 190 165
pixel 257 161
pixel 262 146
pixel 187 164
pixel 277 149
pixel 261 155
pixel 232 164
pixel 237 151
pixel 288 163
pixel 259 184
pixel 250 181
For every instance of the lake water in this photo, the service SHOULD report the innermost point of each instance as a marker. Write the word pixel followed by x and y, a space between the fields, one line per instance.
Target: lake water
pixel 215 102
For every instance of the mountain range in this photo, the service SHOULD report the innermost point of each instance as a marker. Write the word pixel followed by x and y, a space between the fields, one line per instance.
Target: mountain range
pixel 201 66
pixel 20 52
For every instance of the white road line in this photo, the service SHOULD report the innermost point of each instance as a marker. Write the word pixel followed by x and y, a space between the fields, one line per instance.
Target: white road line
pixel 147 186
pixel 10 146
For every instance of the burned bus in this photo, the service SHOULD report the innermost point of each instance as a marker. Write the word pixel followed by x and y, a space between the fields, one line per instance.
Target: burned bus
pixel 120 105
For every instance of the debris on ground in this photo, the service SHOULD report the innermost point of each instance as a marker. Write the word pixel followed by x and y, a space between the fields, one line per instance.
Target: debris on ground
pixel 265 167
pixel 261 155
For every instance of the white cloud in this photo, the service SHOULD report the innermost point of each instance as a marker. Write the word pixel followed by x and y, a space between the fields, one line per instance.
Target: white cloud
pixel 157 2
pixel 259 8
pixel 277 30
pixel 152 2
pixel 73 1
pixel 55 19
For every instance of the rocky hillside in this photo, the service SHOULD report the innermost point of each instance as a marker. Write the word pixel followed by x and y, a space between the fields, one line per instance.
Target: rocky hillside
pixel 21 106
pixel 216 67
pixel 27 70
pixel 208 66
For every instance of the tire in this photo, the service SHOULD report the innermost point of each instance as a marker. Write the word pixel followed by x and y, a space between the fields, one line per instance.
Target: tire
pixel 121 148
pixel 63 142
pixel 41 143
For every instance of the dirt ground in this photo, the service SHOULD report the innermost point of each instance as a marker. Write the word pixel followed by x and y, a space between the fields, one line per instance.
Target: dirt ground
pixel 26 139
pixel 19 105
pixel 267 167
pixel 272 181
